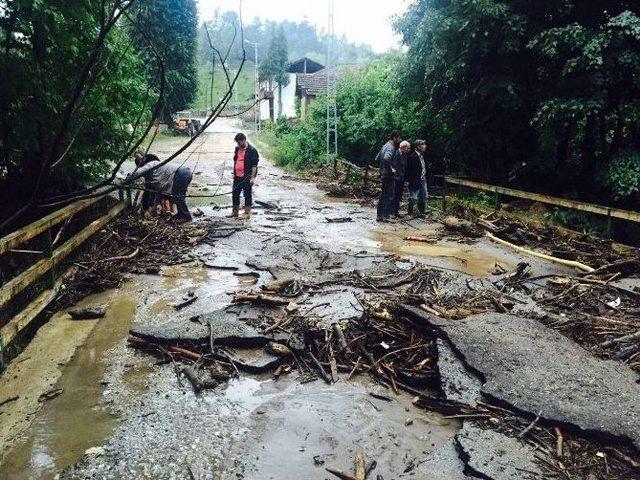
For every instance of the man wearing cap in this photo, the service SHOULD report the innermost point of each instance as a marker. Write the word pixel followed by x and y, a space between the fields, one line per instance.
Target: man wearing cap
pixel 417 177
pixel 245 170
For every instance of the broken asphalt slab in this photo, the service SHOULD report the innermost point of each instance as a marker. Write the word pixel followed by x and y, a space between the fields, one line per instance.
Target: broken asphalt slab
pixel 226 330
pixel 496 456
pixel 536 369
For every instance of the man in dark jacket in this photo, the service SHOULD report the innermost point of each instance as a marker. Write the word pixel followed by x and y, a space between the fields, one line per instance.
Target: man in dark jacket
pixel 245 170
pixel 385 159
pixel 400 165
pixel 417 177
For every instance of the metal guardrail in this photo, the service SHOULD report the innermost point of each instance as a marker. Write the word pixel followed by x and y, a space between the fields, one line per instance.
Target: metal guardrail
pixel 52 258
pixel 609 212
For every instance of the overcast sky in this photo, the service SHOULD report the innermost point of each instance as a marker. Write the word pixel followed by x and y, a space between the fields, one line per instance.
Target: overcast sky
pixel 362 21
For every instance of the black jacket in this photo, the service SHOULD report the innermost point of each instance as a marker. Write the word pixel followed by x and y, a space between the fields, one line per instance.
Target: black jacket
pixel 414 170
pixel 251 159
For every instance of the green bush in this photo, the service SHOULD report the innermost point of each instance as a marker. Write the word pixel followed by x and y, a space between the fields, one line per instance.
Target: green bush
pixel 369 108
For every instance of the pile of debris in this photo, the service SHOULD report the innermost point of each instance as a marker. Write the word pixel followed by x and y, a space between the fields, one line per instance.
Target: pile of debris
pixel 601 254
pixel 128 244
pixel 349 182
pixel 477 350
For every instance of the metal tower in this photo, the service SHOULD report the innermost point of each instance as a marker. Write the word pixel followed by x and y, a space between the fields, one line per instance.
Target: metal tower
pixel 332 107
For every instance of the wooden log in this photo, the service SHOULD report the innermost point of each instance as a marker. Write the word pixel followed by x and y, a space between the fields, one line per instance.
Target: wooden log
pixel 260 298
pixel 278 285
pixel 561 261
pixel 625 338
pixel 339 474
pixel 361 469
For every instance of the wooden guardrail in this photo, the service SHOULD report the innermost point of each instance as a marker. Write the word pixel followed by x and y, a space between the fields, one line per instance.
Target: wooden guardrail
pixel 52 258
pixel 609 212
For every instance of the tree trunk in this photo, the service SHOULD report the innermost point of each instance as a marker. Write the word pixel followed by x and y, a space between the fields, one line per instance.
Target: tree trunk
pixel 279 100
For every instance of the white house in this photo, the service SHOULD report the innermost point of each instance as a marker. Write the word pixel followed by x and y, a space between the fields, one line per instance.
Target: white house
pixel 269 93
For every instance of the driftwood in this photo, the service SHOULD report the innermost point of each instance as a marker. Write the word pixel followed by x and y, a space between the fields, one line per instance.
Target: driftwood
pixel 87 313
pixel 446 407
pixel 197 383
pixel 260 298
pixel 337 329
pixel 278 285
pixel 421 239
pixel 185 303
pixel 321 370
pixel 629 265
pixel 625 338
pixel 339 474
pixel 361 469
pixel 463 227
pixel 561 261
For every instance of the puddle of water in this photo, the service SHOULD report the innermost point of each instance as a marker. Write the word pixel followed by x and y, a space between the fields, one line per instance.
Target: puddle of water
pixel 301 425
pixel 74 421
pixel 471 260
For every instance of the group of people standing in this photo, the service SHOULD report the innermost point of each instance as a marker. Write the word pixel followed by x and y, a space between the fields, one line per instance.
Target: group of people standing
pixel 402 164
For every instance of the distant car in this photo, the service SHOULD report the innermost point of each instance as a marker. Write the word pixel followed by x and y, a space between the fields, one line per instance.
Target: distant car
pixel 185 125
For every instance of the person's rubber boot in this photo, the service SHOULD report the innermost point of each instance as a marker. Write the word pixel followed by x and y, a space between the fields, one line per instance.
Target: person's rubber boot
pixel 410 209
pixel 234 212
pixel 247 213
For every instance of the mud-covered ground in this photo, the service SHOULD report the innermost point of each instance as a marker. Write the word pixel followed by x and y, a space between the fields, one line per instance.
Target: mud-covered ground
pixel 125 413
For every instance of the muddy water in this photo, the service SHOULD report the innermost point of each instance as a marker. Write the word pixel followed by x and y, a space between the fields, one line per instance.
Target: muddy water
pixel 471 260
pixel 75 420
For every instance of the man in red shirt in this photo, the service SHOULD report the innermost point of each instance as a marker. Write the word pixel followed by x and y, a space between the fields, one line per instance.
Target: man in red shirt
pixel 245 170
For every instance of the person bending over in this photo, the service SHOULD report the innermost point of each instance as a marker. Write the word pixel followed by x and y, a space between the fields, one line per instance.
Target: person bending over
pixel 169 180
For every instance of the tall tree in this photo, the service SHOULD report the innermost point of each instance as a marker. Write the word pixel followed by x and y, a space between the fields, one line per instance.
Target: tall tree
pixel 173 26
pixel 541 94
pixel 69 83
pixel 274 66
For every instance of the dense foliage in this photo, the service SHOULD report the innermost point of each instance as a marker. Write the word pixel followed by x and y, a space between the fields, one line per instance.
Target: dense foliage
pixel 369 108
pixel 173 26
pixel 544 95
pixel 78 85
pixel 45 46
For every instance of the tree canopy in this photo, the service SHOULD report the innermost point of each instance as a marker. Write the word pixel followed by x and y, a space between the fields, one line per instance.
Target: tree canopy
pixel 79 84
pixel 544 95
pixel 173 25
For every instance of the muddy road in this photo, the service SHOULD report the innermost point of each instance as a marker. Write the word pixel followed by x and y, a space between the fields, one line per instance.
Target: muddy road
pixel 118 412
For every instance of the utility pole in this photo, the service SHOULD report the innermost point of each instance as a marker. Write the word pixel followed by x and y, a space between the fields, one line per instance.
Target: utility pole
pixel 332 108
pixel 256 105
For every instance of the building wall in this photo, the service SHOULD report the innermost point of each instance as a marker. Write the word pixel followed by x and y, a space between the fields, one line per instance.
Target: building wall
pixel 288 100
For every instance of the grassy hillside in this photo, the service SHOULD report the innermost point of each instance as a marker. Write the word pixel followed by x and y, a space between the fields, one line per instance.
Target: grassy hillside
pixel 243 94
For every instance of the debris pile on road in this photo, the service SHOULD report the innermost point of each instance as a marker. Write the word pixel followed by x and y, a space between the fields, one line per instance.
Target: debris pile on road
pixel 409 335
pixel 349 182
pixel 601 254
pixel 128 244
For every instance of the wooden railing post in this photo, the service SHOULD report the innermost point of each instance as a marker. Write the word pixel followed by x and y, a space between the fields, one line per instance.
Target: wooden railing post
pixel 48 253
